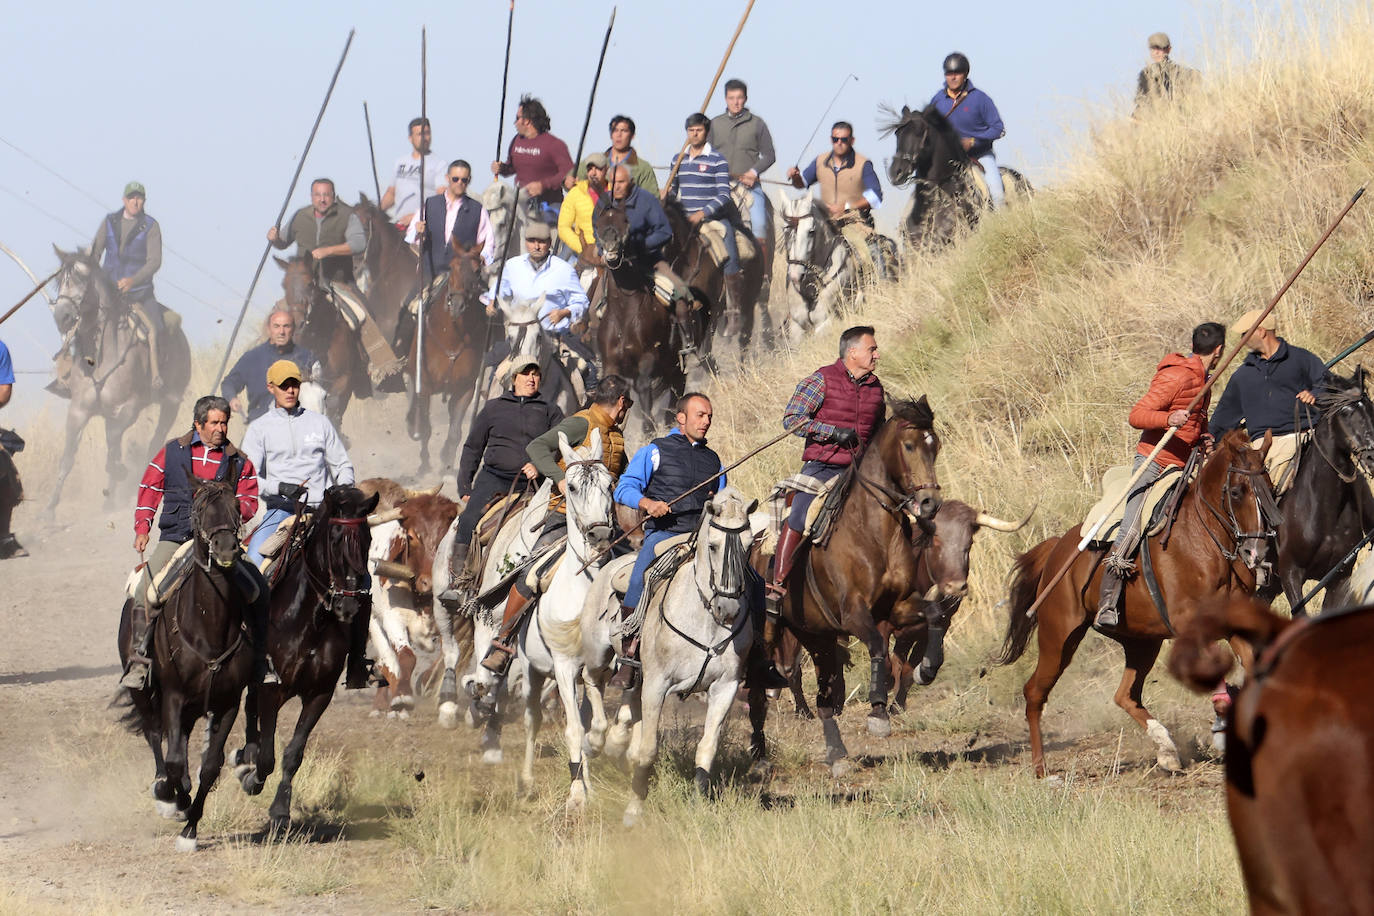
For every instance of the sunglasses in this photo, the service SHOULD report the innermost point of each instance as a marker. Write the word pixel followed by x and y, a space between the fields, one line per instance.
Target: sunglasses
pixel 841 139
pixel 460 180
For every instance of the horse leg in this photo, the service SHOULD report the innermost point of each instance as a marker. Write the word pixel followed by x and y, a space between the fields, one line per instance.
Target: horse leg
pixel 879 726
pixel 177 776
pixel 643 750
pixel 211 762
pixel 76 422
pixel 457 404
pixel 404 700
pixel 719 696
pixel 244 759
pixel 279 815
pixel 534 717
pixel 444 621
pixel 1057 641
pixel 1140 658
pixel 596 699
pixel 574 732
pixel 829 699
pixel 268 708
pixel 164 796
pixel 910 642
pixel 422 429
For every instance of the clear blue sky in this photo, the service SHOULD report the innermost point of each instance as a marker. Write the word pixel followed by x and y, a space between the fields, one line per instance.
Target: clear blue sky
pixel 209 106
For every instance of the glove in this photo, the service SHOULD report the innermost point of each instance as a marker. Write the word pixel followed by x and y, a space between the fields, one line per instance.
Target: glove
pixel 847 437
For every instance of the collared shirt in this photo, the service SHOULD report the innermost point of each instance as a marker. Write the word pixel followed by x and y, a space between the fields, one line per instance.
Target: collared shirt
pixel 873 191
pixel 703 182
pixel 485 237
pixel 204 465
pixel 555 280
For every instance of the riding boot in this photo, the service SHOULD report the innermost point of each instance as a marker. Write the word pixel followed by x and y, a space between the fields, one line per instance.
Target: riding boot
pixel 627 662
pixel 760 670
pixel 734 302
pixel 502 650
pixel 140 644
pixel 358 669
pixel 264 672
pixel 1114 572
pixel 458 577
pixel 788 541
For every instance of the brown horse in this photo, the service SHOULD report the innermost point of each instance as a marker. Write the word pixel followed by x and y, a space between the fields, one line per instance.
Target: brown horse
pixel 865 573
pixel 1219 537
pixel 639 338
pixel 323 331
pixel 391 266
pixel 694 264
pixel 455 323
pixel 1298 749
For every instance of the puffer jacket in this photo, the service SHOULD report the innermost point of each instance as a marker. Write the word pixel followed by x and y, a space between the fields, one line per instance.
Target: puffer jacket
pixel 1177 381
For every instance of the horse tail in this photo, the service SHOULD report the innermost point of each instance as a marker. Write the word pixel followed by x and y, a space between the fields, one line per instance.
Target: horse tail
pixel 139 721
pixel 1199 660
pixel 1025 586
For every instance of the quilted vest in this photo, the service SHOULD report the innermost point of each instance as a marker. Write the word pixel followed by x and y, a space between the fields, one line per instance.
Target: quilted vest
pixel 681 466
pixel 846 186
pixel 439 254
pixel 175 521
pixel 856 404
pixel 612 448
pixel 123 263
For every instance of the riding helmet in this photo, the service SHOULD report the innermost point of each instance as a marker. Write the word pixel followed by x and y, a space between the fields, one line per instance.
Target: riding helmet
pixel 956 63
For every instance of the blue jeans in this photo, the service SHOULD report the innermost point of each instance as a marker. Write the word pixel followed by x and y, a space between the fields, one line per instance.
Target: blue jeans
pixel 270 522
pixel 801 503
pixel 758 214
pixel 731 249
pixel 643 561
pixel 994 179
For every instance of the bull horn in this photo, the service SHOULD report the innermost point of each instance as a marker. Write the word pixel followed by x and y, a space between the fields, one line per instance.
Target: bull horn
pixel 432 491
pixel 390 569
pixel 381 518
pixel 996 524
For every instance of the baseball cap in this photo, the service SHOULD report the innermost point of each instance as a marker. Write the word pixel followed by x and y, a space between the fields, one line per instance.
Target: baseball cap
pixel 1244 322
pixel 1160 40
pixel 597 159
pixel 519 366
pixel 133 188
pixel 539 230
pixel 281 371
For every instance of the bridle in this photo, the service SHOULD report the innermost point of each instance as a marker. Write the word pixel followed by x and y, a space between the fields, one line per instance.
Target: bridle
pixel 1266 510
pixel 205 535
pixel 325 584
pixel 897 502
pixel 585 530
pixel 1360 453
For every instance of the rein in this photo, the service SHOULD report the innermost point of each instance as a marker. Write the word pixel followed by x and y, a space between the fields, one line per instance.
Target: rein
pixel 733 563
pixel 326 587
pixel 1229 521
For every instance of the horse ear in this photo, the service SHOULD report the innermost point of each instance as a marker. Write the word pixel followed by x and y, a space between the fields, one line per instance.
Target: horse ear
pixel 1268 441
pixel 362 199
pixel 280 263
pixel 753 507
pixel 565 449
pixel 711 507
pixel 596 445
pixel 906 111
pixel 371 505
pixel 61 255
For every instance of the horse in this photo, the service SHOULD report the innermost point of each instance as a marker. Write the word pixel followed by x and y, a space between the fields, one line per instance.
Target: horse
pixel 767 243
pixel 1298 743
pixel 499 201
pixel 639 338
pixel 1219 538
pixel 1329 508
pixel 111 375
pixel 696 635
pixel 453 334
pixel 526 338
pixel 388 263
pixel 201 660
pixel 550 640
pixel 319 589
pixel 863 575
pixel 323 331
pixel 697 267
pixel 949 194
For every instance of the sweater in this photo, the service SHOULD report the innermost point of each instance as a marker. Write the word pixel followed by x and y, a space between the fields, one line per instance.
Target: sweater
pixel 296 446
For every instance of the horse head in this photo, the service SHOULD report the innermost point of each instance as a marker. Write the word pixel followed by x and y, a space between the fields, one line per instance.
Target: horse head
pixel 799 225
pixel 611 225
pixel 1235 489
pixel 1347 423
pixel 215 520
pixel 336 549
pixel 298 283
pixel 905 447
pixel 928 147
pixel 724 540
pixel 591 512
pixel 523 331
pixel 73 285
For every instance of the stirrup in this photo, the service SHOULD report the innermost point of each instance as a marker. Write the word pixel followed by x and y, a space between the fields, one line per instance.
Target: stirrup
pixel 498 658
pixel 136 677
pixel 269 673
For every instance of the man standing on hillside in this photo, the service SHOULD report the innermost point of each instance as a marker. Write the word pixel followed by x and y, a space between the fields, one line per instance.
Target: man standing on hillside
pixel 1162 80
pixel 971 112
pixel 402 199
pixel 1177 381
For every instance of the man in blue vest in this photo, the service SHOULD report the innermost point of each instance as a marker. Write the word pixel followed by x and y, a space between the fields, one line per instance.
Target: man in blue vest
pixel 972 113
pixel 207 454
pixel 130 242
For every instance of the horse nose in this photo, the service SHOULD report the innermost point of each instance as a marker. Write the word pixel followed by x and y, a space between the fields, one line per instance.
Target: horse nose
pixel 955 589
pixel 794 274
pixel 422 584
pixel 928 505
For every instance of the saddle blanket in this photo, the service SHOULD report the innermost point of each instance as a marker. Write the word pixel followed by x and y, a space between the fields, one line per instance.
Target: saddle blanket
pixel 800 483
pixel 713 231
pixel 1114 488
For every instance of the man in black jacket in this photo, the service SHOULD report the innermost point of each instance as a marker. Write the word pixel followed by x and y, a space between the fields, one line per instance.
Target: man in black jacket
pixel 497 441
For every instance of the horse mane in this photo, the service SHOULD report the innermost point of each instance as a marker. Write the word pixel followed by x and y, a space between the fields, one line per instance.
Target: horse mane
pixel 892 120
pixel 917 413
pixel 1338 391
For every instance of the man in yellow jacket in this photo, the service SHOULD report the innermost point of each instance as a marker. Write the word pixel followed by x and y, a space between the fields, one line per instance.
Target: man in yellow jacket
pixel 575 218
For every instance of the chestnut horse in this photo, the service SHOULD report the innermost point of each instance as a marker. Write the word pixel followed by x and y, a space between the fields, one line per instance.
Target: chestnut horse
pixel 865 574
pixel 1298 746
pixel 455 324
pixel 323 331
pixel 1219 537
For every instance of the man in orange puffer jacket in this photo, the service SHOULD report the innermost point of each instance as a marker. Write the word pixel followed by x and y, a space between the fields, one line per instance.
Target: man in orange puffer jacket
pixel 1177 381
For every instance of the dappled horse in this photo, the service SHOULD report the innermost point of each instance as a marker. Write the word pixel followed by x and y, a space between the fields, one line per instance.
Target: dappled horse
pixel 1298 744
pixel 865 572
pixel 201 660
pixel 639 338
pixel 948 194
pixel 1219 537
pixel 1329 507
pixel 111 378
pixel 323 331
pixel 453 335
pixel 319 588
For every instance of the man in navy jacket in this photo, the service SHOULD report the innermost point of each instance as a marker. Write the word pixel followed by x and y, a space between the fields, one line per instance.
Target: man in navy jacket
pixel 972 113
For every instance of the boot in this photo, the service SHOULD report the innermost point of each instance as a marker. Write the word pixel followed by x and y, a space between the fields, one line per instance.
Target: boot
pixel 154 343
pixel 458 578
pixel 627 673
pixel 1114 572
pixel 788 542
pixel 498 657
pixel 734 302
pixel 140 647
pixel 358 668
pixel 62 370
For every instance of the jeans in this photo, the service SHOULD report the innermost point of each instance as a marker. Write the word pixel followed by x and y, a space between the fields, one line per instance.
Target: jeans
pixel 758 214
pixel 270 521
pixel 801 502
pixel 731 249
pixel 485 488
pixel 994 179
pixel 1128 535
pixel 643 561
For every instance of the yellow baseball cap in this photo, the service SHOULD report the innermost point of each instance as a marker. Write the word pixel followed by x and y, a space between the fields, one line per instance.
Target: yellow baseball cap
pixel 282 370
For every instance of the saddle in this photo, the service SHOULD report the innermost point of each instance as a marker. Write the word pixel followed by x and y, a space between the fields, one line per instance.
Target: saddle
pixel 713 233
pixel 499 511
pixel 429 295
pixel 1114 488
pixel 670 555
pixel 824 509
pixel 348 301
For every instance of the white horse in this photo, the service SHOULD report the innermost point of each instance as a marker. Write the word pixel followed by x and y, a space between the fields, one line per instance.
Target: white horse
pixel 820 269
pixel 551 640
pixel 498 200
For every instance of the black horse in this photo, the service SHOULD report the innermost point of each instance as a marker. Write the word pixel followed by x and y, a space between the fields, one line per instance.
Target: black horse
pixel 1329 507
pixel 948 193
pixel 320 595
pixel 201 660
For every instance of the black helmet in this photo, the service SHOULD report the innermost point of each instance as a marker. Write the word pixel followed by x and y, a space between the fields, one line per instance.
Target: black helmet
pixel 956 63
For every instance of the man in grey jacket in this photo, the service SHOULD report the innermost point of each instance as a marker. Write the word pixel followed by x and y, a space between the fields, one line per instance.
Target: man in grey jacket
pixel 743 139
pixel 291 447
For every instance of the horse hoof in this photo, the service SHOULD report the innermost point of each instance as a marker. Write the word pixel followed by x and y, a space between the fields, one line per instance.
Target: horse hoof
pixel 1219 742
pixel 1056 781
pixel 169 810
pixel 278 826
pixel 404 701
pixel 448 715
pixel 879 726
pixel 493 756
pixel 374 714
pixel 840 768
pixel 186 844
pixel 250 782
pixel 1169 762
pixel 575 805
pixel 401 714
pixel 760 769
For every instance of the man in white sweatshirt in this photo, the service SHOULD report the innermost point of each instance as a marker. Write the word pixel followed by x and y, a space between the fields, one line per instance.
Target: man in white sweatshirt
pixel 292 448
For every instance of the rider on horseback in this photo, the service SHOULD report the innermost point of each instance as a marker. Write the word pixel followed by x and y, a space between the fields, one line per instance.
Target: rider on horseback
pixel 539 161
pixel 649 230
pixel 972 113
pixel 743 139
pixel 610 403
pixel 849 184
pixel 250 372
pixel 1177 380
pixel 622 135
pixel 402 199
pixel 131 242
pixel 575 218
pixel 206 453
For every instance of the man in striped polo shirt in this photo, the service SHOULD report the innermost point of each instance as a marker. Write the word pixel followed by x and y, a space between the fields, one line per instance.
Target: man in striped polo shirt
pixel 702 186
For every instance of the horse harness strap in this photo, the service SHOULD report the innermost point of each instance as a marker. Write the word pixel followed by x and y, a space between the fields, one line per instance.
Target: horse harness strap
pixel 1147 575
pixel 212 665
pixel 815 590
pixel 711 651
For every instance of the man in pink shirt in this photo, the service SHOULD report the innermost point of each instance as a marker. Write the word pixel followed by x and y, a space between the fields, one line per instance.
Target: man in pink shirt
pixel 538 160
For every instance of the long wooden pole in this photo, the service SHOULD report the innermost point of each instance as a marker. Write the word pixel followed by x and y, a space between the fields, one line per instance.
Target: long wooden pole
pixel 1192 405
pixel 420 265
pixel 672 175
pixel 505 76
pixel 591 100
pixel 281 214
pixel 33 292
pixel 372 155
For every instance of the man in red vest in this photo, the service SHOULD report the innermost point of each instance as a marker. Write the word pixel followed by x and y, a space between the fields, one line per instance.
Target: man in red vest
pixel 836 409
